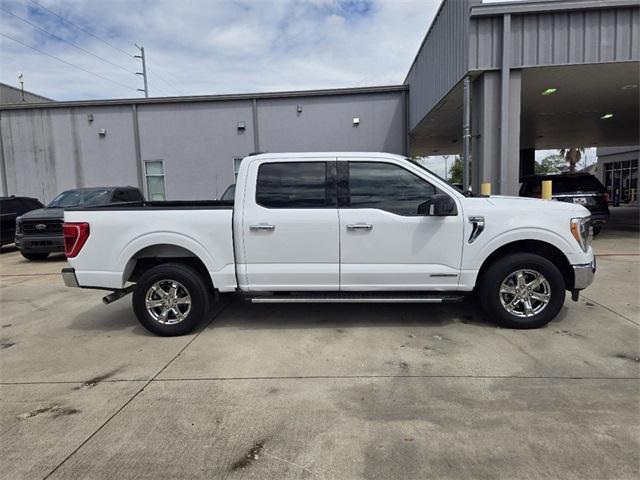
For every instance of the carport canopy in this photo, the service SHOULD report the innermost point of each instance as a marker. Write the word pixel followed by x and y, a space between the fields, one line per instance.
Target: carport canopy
pixel 560 106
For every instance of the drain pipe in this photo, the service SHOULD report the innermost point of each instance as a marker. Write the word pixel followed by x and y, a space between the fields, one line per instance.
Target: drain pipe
pixel 466 132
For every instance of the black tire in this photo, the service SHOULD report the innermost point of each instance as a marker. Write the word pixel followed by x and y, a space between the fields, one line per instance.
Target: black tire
pixel 189 280
pixel 35 255
pixel 502 270
pixel 596 229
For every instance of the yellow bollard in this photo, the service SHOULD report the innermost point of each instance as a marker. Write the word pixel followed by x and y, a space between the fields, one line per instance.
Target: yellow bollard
pixel 546 190
pixel 485 189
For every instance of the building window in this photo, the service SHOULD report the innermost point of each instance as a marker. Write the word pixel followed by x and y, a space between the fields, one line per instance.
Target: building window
pixel 621 180
pixel 154 171
pixel 236 167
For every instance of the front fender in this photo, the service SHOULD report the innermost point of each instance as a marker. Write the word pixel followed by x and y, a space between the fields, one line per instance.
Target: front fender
pixel 475 257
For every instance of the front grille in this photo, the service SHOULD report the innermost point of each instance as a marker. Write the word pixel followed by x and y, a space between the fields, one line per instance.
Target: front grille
pixel 41 227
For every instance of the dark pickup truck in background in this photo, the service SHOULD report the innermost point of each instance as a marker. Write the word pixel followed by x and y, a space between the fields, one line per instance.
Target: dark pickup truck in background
pixel 39 232
pixel 579 188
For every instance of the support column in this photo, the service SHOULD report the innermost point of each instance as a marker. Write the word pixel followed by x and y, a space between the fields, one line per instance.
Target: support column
pixel 527 161
pixel 256 131
pixel 496 137
pixel 510 92
pixel 511 161
pixel 4 189
pixel 485 130
pixel 136 141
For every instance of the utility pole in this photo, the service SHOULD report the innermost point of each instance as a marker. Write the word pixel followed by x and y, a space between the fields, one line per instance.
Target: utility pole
pixel 21 86
pixel 144 71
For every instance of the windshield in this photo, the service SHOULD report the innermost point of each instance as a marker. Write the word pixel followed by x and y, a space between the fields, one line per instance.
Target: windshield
pixel 80 198
pixel 415 162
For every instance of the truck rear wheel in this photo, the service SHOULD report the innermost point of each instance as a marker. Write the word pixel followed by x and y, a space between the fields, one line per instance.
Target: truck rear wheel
pixel 171 299
pixel 522 290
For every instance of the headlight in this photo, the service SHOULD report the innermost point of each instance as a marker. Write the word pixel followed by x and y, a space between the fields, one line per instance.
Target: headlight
pixel 18 225
pixel 582 232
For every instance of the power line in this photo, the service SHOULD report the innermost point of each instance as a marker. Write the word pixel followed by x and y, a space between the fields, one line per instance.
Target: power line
pixel 115 47
pixel 66 41
pixel 68 63
pixel 80 28
pixel 156 74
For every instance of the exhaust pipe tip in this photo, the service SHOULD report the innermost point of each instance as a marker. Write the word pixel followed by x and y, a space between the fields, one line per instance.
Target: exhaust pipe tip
pixel 117 295
pixel 107 299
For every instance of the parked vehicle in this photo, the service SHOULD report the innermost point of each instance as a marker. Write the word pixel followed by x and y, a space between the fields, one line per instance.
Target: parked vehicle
pixel 10 209
pixel 333 227
pixel 39 232
pixel 579 188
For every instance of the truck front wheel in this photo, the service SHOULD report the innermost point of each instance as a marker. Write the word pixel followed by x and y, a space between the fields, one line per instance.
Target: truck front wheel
pixel 170 299
pixel 522 290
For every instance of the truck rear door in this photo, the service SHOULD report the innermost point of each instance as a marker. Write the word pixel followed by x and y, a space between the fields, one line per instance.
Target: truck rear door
pixel 290 226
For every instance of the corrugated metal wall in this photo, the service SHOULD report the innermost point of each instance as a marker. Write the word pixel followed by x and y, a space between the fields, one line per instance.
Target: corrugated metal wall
pixel 442 59
pixel 10 95
pixel 558 38
pixel 47 150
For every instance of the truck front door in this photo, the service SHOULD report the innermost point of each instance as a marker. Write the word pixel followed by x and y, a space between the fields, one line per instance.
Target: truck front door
pixel 385 243
pixel 290 227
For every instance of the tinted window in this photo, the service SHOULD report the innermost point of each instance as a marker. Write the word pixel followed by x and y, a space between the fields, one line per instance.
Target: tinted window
pixel 229 194
pixel 387 187
pixel 75 198
pixel 130 195
pixel 9 205
pixel 564 184
pixel 31 203
pixel 292 185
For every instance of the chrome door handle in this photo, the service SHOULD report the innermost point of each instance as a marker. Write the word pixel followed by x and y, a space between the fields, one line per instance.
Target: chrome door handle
pixel 262 226
pixel 359 226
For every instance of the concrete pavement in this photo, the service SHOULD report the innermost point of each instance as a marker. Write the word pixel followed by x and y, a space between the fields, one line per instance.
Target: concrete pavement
pixel 319 391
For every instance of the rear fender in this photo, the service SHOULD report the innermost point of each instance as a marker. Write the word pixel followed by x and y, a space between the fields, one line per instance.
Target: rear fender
pixel 124 263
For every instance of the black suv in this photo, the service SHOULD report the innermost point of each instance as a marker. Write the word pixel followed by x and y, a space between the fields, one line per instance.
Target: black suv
pixel 10 209
pixel 579 188
pixel 39 232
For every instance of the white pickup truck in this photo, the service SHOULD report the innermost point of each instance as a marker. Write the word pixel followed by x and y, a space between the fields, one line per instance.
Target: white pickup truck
pixel 333 227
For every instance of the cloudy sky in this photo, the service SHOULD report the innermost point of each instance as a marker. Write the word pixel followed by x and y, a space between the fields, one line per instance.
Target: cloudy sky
pixel 208 46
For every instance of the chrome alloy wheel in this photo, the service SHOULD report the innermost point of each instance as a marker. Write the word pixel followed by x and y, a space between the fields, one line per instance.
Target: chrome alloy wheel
pixel 168 302
pixel 525 293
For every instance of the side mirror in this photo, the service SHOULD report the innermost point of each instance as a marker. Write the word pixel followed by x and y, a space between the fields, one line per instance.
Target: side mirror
pixel 439 205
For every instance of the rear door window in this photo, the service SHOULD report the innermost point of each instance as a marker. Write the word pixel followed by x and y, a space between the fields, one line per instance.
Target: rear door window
pixel 294 185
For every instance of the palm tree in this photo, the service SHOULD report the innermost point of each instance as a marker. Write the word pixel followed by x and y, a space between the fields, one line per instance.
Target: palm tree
pixel 572 156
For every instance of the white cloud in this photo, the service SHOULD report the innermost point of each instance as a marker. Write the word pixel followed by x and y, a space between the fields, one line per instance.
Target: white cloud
pixel 211 47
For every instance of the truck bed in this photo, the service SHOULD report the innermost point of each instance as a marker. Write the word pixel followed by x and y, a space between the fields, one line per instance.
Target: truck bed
pixel 121 234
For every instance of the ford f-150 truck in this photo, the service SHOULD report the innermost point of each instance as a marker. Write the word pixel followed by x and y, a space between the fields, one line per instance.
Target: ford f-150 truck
pixel 333 227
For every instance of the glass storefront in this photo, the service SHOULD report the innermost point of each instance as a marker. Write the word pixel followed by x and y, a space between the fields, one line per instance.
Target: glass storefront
pixel 621 180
